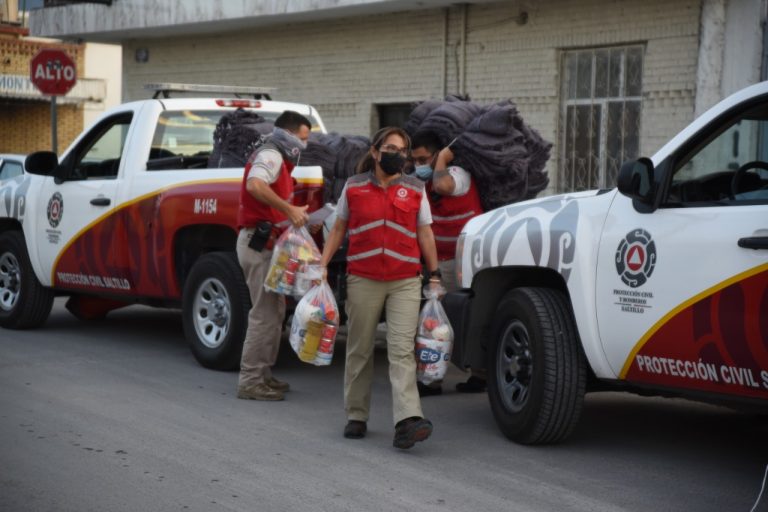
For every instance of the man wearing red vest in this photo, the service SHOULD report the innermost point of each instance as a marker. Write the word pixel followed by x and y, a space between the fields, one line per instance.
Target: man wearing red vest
pixel 264 202
pixel 453 199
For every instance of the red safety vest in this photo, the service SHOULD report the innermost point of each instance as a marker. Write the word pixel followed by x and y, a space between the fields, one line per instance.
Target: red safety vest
pixel 449 214
pixel 251 211
pixel 382 227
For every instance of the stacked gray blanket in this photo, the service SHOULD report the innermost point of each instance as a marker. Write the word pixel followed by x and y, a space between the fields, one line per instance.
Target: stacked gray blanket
pixel 239 133
pixel 338 155
pixel 504 155
pixel 447 118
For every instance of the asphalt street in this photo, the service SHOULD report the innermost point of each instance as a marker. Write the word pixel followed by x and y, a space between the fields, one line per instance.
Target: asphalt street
pixel 117 416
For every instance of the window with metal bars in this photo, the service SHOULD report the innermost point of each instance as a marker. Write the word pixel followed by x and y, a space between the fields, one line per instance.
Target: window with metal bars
pixel 600 115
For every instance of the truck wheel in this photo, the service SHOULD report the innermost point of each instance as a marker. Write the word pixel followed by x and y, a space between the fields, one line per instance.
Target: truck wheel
pixel 215 310
pixel 536 368
pixel 24 302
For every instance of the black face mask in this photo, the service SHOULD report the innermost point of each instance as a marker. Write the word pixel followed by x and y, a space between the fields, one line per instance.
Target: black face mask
pixel 392 163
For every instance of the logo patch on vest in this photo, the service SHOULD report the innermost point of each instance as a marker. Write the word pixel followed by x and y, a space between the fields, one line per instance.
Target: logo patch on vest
pixel 402 193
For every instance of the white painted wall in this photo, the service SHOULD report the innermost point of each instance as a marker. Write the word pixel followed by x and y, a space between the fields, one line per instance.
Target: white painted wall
pixel 9 11
pixel 105 62
pixel 346 66
pixel 730 54
pixel 742 54
pixel 345 56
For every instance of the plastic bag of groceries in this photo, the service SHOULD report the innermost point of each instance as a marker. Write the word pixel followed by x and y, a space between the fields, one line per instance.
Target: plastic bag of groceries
pixel 315 324
pixel 434 338
pixel 291 267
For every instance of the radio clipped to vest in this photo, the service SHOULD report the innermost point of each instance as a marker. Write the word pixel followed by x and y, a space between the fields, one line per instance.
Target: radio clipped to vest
pixel 260 236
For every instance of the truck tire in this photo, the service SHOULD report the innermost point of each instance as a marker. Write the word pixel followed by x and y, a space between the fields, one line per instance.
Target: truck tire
pixel 215 310
pixel 24 302
pixel 536 367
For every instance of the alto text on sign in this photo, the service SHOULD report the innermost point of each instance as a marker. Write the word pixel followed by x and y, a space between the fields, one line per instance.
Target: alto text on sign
pixel 53 72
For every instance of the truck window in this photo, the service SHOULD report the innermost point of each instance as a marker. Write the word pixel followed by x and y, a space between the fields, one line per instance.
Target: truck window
pixel 184 134
pixel 98 155
pixel 728 168
pixel 184 139
pixel 10 169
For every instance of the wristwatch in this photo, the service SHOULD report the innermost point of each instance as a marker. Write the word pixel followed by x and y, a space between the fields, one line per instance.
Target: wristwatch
pixel 436 273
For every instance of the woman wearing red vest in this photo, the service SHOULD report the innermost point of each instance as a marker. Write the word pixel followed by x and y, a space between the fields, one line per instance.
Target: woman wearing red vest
pixel 386 215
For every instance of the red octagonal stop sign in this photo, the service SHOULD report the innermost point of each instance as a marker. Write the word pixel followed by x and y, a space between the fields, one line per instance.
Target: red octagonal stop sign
pixel 53 72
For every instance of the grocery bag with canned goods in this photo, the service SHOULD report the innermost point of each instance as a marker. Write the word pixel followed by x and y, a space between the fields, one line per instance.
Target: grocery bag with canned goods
pixel 434 338
pixel 314 326
pixel 291 268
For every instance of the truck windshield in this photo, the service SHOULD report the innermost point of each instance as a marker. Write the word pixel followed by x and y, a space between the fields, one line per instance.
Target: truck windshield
pixel 186 139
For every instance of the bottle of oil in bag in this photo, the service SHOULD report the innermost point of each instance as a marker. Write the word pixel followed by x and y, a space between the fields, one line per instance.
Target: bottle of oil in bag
pixel 311 341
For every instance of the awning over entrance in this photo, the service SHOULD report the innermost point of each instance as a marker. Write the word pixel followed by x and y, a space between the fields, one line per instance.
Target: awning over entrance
pixel 152 19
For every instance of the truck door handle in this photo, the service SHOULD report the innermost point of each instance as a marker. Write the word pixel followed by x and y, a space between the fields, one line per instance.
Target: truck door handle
pixel 100 201
pixel 754 242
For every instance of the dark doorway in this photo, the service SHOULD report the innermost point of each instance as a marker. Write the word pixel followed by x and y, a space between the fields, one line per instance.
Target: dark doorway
pixel 393 114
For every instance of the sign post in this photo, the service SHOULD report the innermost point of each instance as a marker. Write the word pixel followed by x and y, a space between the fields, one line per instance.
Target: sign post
pixel 54 74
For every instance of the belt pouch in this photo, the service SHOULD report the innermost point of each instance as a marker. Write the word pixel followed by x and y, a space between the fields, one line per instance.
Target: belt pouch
pixel 260 236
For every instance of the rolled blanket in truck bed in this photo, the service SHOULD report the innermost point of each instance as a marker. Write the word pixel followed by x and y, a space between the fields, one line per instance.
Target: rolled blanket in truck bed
pixel 236 136
pixel 338 156
pixel 238 133
pixel 492 142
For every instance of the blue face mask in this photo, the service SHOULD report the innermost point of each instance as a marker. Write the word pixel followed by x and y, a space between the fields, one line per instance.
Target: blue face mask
pixel 423 172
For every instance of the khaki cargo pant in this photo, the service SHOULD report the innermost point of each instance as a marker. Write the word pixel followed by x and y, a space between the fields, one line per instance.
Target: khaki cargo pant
pixel 265 319
pixel 365 300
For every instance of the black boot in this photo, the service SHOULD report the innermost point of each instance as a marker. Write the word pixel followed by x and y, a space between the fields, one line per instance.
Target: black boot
pixel 473 385
pixel 355 429
pixel 426 390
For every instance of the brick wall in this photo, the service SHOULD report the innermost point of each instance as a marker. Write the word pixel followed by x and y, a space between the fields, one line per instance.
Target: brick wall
pixel 346 66
pixel 25 125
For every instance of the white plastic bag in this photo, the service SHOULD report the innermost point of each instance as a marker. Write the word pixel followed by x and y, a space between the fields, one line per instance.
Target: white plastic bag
pixel 306 278
pixel 434 339
pixel 294 253
pixel 314 326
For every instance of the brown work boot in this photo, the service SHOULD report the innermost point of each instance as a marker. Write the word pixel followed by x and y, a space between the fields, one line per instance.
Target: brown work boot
pixel 411 431
pixel 278 385
pixel 260 391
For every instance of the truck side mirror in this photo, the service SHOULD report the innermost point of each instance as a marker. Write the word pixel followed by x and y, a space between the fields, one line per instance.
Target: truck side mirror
pixel 636 181
pixel 43 163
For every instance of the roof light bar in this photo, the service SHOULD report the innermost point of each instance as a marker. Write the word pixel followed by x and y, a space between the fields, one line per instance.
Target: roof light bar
pixel 164 90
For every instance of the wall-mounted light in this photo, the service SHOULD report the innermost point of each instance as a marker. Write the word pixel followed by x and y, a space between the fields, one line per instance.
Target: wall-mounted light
pixel 142 55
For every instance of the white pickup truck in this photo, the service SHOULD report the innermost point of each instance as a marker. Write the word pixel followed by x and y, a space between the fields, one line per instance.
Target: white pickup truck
pixel 659 286
pixel 133 213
